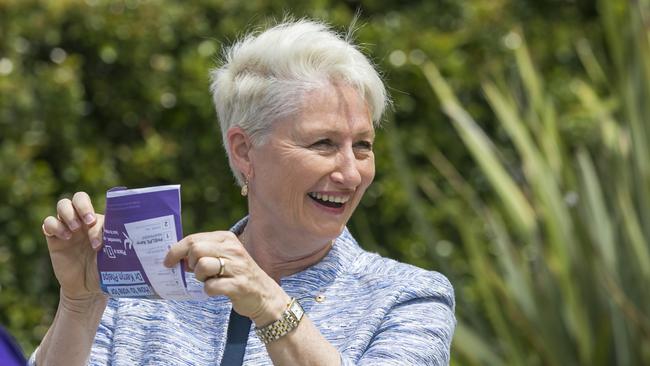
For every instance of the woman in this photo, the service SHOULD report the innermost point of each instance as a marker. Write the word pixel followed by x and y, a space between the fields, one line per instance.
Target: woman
pixel 296 105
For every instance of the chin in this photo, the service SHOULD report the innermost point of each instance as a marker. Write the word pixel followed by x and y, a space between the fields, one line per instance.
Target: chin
pixel 323 225
pixel 330 232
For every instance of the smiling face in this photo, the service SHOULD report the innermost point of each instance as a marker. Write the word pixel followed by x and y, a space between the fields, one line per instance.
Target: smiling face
pixel 312 170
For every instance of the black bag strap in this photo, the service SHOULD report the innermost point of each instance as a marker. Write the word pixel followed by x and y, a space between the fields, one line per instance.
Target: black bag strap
pixel 238 328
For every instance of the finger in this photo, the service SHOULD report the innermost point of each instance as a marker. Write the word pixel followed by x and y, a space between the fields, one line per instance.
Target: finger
pixel 192 257
pixel 45 232
pixel 177 252
pixel 55 228
pixel 181 249
pixel 215 286
pixel 202 249
pixel 96 231
pixel 67 214
pixel 207 267
pixel 187 266
pixel 84 208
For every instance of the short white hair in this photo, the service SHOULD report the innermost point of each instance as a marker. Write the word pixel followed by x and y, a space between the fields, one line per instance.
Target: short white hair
pixel 263 77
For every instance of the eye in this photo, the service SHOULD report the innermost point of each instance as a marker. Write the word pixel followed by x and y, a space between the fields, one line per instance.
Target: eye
pixel 364 145
pixel 323 144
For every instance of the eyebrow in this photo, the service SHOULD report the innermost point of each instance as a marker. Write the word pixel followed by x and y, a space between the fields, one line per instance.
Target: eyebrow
pixel 325 131
pixel 367 133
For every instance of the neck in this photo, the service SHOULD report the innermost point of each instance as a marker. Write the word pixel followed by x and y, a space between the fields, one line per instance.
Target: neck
pixel 278 255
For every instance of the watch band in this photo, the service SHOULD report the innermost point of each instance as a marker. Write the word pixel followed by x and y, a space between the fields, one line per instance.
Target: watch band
pixel 288 322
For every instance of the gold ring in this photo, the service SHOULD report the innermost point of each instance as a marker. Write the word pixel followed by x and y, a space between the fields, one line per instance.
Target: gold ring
pixel 222 267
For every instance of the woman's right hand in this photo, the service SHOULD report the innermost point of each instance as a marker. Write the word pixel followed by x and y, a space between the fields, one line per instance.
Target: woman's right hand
pixel 73 238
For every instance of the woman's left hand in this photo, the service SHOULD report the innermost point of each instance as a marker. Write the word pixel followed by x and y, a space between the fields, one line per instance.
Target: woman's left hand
pixel 253 293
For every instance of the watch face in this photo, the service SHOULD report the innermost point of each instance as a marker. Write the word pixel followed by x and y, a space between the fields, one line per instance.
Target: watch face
pixel 296 309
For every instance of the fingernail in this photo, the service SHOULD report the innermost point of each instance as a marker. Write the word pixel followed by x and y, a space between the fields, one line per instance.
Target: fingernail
pixel 89 219
pixel 95 243
pixel 74 225
pixel 45 232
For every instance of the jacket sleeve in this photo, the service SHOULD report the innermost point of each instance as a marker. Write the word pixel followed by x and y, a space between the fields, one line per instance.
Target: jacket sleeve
pixel 418 329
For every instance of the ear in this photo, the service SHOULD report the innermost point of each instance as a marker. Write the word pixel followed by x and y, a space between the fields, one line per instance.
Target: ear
pixel 239 145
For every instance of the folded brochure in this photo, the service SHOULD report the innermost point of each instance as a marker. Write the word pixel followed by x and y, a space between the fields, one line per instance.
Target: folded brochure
pixel 140 226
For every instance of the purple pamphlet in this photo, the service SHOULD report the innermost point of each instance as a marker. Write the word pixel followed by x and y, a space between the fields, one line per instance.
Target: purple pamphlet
pixel 139 227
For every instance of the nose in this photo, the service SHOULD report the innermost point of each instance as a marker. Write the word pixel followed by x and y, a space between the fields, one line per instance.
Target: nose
pixel 347 171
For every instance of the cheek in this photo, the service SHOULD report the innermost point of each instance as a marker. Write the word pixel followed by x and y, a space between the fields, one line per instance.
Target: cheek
pixel 367 171
pixel 297 173
pixel 306 165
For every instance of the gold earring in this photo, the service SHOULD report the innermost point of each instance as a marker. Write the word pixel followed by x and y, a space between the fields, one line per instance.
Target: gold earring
pixel 244 189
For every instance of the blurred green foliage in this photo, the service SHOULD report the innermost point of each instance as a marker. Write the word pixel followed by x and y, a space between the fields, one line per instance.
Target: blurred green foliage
pixel 95 94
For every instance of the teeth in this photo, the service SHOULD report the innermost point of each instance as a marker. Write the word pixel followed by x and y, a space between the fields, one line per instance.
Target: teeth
pixel 330 198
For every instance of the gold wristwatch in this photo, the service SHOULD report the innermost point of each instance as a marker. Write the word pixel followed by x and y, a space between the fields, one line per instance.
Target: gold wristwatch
pixel 289 321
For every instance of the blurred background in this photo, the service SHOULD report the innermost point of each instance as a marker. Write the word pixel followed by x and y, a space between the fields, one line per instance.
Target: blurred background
pixel 515 159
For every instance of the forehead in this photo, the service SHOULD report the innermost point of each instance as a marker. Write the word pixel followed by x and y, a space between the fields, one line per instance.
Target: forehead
pixel 333 109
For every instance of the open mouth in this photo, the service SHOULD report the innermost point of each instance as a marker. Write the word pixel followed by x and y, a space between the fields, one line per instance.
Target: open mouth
pixel 328 200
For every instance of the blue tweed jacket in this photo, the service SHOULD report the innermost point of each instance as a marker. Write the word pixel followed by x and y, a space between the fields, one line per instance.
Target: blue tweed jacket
pixel 374 310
